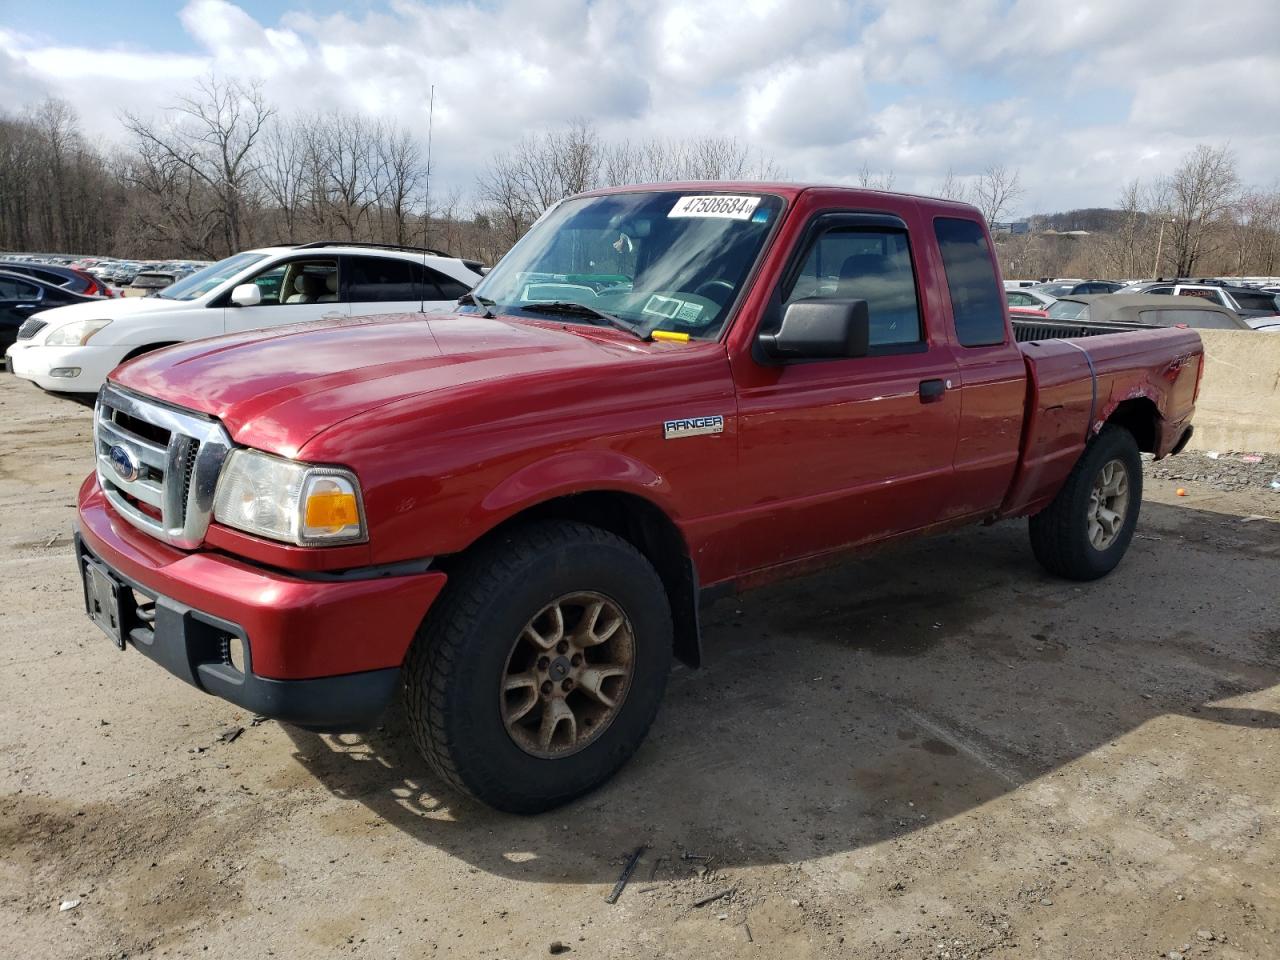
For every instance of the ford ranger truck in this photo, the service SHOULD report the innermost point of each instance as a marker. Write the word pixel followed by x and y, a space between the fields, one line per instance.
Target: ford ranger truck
pixel 508 515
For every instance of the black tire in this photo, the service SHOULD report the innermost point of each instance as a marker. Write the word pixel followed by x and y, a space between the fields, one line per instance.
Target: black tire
pixel 455 667
pixel 1060 533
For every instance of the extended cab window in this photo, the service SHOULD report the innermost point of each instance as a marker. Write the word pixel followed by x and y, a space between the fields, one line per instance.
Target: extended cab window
pixel 976 303
pixel 864 263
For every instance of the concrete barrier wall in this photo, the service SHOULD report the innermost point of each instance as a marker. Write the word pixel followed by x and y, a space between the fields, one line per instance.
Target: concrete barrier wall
pixel 1239 405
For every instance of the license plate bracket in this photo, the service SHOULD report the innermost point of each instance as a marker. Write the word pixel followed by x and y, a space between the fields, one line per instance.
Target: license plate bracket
pixel 104 599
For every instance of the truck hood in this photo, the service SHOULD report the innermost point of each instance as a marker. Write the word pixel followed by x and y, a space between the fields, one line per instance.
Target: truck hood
pixel 276 389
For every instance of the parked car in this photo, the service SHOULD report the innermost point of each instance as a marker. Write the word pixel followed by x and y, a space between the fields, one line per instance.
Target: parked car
pixel 1269 324
pixel 148 282
pixel 70 278
pixel 1149 310
pixel 1244 301
pixel 23 296
pixel 1075 288
pixel 1027 313
pixel 509 515
pixel 257 288
pixel 1056 288
pixel 1033 299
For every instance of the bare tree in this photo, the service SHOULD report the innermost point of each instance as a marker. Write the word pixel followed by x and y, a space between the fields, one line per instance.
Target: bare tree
pixel 211 136
pixel 1201 192
pixel 996 190
pixel 952 187
pixel 283 173
pixel 876 181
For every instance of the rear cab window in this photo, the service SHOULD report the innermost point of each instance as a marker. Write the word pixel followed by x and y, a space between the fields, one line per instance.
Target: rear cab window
pixel 851 260
pixel 977 303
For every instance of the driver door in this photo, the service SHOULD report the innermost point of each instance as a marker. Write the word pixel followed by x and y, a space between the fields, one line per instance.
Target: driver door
pixel 839 452
pixel 293 291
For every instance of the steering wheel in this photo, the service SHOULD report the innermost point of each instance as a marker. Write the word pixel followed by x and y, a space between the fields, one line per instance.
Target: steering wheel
pixel 725 284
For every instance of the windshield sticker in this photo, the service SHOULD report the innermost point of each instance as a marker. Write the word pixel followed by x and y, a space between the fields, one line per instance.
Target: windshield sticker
pixel 716 205
pixel 661 306
pixel 689 312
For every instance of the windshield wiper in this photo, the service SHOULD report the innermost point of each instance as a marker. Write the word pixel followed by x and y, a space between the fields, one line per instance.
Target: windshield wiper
pixel 573 308
pixel 471 298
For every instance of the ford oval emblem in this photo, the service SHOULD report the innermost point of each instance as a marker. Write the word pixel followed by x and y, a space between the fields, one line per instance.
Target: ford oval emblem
pixel 125 463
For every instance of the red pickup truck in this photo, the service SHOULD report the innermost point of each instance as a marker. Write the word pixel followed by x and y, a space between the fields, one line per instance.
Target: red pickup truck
pixel 509 515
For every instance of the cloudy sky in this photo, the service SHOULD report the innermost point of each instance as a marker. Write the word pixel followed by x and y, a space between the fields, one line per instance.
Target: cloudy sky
pixel 1078 95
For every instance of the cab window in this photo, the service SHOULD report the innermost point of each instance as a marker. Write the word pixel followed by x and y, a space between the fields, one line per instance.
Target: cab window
pixel 976 305
pixel 851 262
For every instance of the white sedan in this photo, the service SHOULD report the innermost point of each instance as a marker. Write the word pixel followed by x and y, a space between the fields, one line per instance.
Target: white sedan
pixel 72 349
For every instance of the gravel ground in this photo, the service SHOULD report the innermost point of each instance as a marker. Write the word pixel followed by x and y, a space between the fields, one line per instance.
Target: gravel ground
pixel 1225 471
pixel 935 752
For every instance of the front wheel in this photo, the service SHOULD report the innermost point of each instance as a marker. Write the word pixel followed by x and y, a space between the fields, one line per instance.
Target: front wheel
pixel 1084 533
pixel 541 669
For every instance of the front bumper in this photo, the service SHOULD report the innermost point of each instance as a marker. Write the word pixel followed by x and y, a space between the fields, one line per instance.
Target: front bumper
pixel 323 654
pixel 34 361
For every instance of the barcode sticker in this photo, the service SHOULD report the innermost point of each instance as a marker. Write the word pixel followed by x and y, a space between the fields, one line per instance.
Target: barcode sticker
pixel 716 205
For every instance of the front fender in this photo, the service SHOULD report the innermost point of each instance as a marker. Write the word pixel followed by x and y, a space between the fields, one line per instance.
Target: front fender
pixel 576 471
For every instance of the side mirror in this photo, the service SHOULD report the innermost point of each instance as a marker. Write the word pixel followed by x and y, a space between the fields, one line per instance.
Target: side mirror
pixel 820 328
pixel 246 295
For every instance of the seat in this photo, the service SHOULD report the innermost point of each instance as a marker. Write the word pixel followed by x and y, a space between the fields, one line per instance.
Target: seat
pixel 331 288
pixel 858 272
pixel 886 283
pixel 307 287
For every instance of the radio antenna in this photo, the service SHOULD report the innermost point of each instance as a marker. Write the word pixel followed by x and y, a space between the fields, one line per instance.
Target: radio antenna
pixel 426 202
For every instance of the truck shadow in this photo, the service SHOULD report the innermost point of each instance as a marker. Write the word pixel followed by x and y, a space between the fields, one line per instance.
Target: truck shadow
pixel 873 700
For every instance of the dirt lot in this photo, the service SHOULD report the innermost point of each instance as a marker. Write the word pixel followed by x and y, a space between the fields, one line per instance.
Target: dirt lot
pixel 936 752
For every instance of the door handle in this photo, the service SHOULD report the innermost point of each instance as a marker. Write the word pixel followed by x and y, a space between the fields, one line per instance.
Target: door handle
pixel 932 391
pixel 331 315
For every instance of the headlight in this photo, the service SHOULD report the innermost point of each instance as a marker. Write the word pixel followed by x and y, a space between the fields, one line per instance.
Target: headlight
pixel 75 334
pixel 288 501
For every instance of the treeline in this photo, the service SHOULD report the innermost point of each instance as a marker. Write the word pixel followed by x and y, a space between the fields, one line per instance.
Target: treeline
pixel 1201 220
pixel 222 170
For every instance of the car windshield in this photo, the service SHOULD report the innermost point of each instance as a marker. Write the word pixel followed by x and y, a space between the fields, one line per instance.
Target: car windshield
pixel 1254 301
pixel 658 260
pixel 202 281
pixel 1068 310
pixel 1055 289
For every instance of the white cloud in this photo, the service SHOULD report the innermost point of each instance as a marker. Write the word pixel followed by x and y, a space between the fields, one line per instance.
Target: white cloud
pixel 1080 95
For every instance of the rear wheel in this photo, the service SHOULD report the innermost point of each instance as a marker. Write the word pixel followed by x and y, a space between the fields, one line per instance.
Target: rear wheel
pixel 541 669
pixel 1084 533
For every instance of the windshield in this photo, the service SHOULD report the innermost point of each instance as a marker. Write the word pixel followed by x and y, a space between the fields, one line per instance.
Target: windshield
pixel 202 281
pixel 1254 301
pixel 1055 289
pixel 660 260
pixel 1069 310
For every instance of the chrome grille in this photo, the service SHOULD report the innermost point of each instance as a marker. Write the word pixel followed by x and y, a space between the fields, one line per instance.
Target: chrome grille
pixel 173 458
pixel 30 328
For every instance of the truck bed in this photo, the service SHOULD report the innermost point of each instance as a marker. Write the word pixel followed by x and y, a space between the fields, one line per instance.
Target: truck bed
pixel 1075 384
pixel 1025 331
